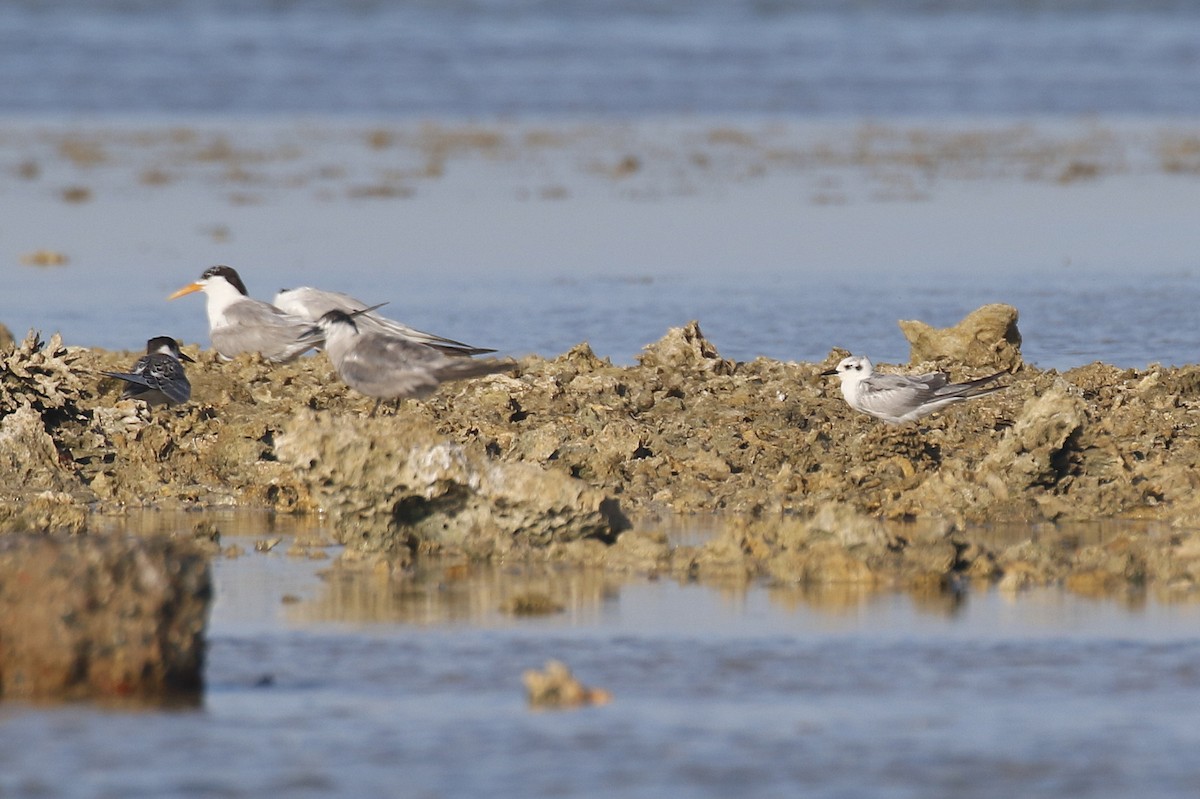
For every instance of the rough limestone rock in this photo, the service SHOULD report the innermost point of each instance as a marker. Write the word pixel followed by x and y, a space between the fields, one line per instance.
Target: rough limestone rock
pixel 392 486
pixel 100 617
pixel 836 546
pixel 522 464
pixel 1023 476
pixel 29 461
pixel 985 338
pixel 45 512
pixel 40 377
pixel 1037 450
pixel 685 348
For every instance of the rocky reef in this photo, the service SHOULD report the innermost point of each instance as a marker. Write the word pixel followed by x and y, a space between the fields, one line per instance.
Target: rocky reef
pixel 400 488
pixel 554 459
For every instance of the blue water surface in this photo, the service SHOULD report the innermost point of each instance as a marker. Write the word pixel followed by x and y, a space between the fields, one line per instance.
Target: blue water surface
pixel 504 57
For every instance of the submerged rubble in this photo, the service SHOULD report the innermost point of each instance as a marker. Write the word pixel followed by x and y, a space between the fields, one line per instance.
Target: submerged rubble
pixel 556 687
pixel 550 461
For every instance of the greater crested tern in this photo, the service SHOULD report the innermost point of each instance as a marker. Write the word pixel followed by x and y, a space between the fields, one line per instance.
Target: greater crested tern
pixel 311 304
pixel 903 398
pixel 237 323
pixel 158 376
pixel 390 367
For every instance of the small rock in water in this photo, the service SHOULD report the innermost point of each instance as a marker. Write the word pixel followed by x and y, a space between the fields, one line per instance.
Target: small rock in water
pixel 44 258
pixel 531 603
pixel 556 687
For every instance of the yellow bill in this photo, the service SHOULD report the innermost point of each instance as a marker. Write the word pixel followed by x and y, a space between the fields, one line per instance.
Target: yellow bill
pixel 188 289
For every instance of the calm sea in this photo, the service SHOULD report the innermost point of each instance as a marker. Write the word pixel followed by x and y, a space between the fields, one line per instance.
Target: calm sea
pixel 499 57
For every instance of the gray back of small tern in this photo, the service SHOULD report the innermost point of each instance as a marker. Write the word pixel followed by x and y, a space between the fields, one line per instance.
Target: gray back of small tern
pixel 391 367
pixel 903 398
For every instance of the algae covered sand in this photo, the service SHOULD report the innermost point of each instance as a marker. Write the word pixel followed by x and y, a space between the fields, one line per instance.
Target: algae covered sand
pixel 574 459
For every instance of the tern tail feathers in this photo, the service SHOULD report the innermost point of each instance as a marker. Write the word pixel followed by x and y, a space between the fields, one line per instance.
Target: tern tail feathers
pixel 973 388
pixel 152 388
pixel 137 379
pixel 464 369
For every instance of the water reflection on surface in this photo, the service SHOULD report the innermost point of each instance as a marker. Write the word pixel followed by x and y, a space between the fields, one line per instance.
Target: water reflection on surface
pixel 303 582
pixel 455 593
pixel 277 588
pixel 309 586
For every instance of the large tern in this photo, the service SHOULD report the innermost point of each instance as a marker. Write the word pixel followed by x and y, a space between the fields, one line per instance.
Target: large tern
pixel 237 323
pixel 158 376
pixel 311 304
pixel 903 398
pixel 390 367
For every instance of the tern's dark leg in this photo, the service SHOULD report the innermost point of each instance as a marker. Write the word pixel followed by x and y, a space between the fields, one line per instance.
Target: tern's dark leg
pixel 371 415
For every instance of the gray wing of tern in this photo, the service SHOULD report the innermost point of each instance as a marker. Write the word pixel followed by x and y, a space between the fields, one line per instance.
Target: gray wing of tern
pixel 898 396
pixel 311 304
pixel 253 326
pixel 155 375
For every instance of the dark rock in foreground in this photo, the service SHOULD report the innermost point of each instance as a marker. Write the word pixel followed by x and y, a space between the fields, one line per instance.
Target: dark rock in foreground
pixel 100 617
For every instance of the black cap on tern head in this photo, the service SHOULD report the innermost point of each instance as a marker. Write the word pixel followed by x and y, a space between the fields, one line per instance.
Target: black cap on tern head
pixel 336 315
pixel 325 321
pixel 230 275
pixel 159 342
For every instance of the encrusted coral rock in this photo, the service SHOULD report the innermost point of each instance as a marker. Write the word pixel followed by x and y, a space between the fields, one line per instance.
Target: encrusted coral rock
pixel 986 337
pixel 28 458
pixel 390 484
pixel 849 527
pixel 1020 476
pixel 87 616
pixel 685 348
pixel 1036 450
pixel 683 431
pixel 46 512
pixel 38 376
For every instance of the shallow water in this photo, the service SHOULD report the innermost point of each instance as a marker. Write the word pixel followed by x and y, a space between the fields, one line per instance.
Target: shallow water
pixel 357 687
pixel 530 247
